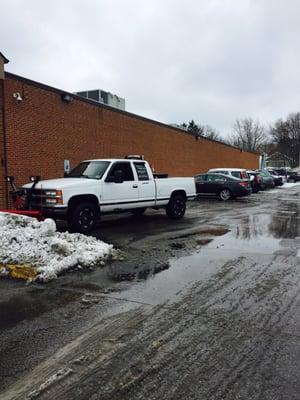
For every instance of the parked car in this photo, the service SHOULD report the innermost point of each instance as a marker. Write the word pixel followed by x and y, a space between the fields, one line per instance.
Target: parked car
pixel 235 172
pixel 284 172
pixel 224 186
pixel 267 179
pixel 102 186
pixel 256 181
pixel 277 179
pixel 294 176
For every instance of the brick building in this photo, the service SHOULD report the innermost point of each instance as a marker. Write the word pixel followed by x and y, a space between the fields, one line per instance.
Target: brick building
pixel 41 126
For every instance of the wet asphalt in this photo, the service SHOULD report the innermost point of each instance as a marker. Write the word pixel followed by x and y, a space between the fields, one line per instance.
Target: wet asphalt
pixel 202 308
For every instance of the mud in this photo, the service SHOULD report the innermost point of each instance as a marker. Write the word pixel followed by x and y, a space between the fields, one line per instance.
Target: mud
pixel 35 303
pixel 206 308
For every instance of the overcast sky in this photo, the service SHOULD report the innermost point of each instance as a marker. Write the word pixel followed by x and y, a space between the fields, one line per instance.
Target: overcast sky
pixel 212 61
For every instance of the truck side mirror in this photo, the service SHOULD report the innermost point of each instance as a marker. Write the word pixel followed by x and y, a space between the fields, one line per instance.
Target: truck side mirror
pixel 119 176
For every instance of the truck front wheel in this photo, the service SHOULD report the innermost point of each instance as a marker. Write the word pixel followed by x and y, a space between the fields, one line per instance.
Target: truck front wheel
pixel 176 206
pixel 83 217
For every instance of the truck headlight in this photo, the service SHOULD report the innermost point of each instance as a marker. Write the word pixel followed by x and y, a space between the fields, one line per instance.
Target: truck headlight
pixel 53 196
pixel 51 193
pixel 51 201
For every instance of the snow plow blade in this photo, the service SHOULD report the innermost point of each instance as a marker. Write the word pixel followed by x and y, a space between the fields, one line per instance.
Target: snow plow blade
pixel 28 213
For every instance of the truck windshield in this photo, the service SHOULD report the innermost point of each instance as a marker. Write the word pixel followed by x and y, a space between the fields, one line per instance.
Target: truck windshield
pixel 89 169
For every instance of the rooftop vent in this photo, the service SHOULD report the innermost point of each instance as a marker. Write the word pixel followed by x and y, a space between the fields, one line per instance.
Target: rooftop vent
pixel 102 97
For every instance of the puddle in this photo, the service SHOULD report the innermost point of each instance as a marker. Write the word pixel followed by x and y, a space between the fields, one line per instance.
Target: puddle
pixel 170 283
pixel 256 237
pixel 83 285
pixel 32 304
pixel 203 242
pixel 213 231
pixel 127 273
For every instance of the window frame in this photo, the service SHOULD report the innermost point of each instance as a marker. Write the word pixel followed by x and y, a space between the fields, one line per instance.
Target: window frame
pixel 109 175
pixel 135 163
pixel 204 176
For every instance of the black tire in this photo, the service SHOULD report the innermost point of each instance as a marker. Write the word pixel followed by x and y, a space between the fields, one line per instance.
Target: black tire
pixel 83 217
pixel 176 207
pixel 225 194
pixel 137 212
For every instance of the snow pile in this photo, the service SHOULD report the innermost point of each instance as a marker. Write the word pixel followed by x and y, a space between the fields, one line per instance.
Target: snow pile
pixel 24 240
pixel 288 185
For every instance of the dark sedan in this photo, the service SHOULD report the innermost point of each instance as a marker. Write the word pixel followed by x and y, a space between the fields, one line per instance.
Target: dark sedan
pixel 267 179
pixel 223 186
pixel 277 179
pixel 294 176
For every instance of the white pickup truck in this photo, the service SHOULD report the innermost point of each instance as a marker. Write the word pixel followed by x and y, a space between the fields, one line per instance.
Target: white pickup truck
pixel 102 186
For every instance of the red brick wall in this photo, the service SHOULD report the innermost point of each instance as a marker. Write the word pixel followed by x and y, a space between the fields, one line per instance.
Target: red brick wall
pixel 3 197
pixel 43 130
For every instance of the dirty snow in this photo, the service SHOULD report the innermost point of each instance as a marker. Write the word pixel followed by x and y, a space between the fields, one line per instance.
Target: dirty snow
pixel 286 185
pixel 24 240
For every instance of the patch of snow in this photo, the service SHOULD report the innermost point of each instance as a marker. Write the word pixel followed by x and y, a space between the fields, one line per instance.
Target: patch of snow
pixel 288 185
pixel 57 376
pixel 24 240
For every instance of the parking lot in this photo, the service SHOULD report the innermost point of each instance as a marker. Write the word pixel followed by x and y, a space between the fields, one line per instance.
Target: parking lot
pixel 206 307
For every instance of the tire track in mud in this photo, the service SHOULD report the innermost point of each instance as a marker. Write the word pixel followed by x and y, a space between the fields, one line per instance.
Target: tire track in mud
pixel 201 347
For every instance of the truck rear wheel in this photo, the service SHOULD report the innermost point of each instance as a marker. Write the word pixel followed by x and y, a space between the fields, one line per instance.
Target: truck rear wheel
pixel 83 217
pixel 176 206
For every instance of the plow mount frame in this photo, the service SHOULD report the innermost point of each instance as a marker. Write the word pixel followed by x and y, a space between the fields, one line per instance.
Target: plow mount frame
pixel 18 195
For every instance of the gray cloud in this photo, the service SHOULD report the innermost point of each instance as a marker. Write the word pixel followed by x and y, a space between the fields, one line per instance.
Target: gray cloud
pixel 211 61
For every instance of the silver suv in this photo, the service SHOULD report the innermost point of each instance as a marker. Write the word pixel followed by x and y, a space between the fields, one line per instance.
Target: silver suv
pixel 235 172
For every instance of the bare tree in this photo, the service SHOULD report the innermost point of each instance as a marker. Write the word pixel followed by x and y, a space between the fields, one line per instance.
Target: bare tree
pixel 211 133
pixel 286 135
pixel 248 135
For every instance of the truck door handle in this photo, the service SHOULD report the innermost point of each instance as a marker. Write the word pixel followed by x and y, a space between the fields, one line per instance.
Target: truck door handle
pixel 135 186
pixel 145 183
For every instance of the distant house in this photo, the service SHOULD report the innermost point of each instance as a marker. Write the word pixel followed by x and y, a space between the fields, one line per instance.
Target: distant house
pixel 278 159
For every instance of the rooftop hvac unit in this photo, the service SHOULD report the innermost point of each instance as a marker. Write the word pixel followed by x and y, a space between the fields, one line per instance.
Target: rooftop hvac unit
pixel 103 97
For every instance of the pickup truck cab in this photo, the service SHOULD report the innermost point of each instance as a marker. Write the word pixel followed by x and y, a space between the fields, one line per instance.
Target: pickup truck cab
pixel 101 186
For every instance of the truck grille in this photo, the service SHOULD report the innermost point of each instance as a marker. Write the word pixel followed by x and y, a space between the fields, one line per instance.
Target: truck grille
pixel 38 199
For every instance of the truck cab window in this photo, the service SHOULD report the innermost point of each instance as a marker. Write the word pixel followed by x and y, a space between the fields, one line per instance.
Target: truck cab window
pixel 125 167
pixel 141 171
pixel 89 169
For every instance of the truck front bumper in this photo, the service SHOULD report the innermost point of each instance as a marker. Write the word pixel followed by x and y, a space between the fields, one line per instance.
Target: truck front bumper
pixel 53 212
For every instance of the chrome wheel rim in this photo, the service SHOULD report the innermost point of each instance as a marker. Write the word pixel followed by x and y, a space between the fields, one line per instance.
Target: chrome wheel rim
pixel 225 194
